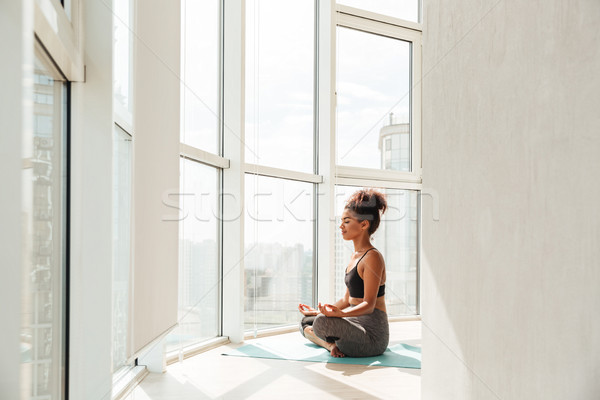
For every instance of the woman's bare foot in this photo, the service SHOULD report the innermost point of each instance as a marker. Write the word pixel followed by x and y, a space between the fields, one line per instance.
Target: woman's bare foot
pixel 333 349
pixel 335 352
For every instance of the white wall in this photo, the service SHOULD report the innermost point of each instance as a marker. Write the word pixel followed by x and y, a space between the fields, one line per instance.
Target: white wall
pixel 155 169
pixel 90 372
pixel 157 162
pixel 511 142
pixel 16 73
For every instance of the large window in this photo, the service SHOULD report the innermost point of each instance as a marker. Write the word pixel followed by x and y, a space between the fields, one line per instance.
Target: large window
pixel 200 63
pixel 199 256
pixel 279 250
pixel 122 187
pixel 373 100
pixel 122 65
pixel 44 236
pixel 348 82
pixel 280 83
pixel 200 229
pixel 280 260
pixel 122 184
pixel 377 123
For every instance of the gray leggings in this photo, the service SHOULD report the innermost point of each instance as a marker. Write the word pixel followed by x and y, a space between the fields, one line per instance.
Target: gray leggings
pixel 363 336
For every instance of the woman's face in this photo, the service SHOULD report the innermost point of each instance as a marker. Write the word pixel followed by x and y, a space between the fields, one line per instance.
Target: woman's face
pixel 351 227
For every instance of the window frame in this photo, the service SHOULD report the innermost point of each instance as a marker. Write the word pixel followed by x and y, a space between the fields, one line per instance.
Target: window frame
pixel 315 178
pixel 294 176
pixel 123 122
pixel 59 31
pixel 206 159
pixel 395 28
pixel 61 288
pixel 260 169
pixel 370 15
pixel 128 372
pixel 223 167
pixel 326 174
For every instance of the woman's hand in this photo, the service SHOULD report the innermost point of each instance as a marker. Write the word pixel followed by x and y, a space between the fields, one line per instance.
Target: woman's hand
pixel 307 310
pixel 330 310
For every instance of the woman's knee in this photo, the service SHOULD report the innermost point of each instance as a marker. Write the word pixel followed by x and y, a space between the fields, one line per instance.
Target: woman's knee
pixel 319 324
pixel 320 321
pixel 323 329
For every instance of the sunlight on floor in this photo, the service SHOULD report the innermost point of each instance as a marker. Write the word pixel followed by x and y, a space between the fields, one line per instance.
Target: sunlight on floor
pixel 212 376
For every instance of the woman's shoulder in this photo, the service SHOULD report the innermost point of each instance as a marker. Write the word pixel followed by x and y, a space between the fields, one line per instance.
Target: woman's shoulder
pixel 374 256
pixel 372 261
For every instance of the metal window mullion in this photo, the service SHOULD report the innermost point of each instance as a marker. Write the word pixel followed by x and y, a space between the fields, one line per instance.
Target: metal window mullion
pixel 273 172
pixel 326 142
pixel 377 174
pixel 221 143
pixel 204 157
pixel 419 250
pixel 232 125
pixel 220 248
pixel 378 184
pixel 315 263
pixel 416 106
pixel 377 27
pixel 376 17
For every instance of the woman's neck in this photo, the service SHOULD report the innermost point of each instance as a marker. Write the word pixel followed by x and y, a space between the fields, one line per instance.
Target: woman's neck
pixel 362 244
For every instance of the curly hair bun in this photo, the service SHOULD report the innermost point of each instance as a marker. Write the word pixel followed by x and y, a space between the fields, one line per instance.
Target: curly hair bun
pixel 368 204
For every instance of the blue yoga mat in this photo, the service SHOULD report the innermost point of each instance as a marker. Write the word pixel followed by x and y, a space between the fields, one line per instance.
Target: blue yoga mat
pixel 399 355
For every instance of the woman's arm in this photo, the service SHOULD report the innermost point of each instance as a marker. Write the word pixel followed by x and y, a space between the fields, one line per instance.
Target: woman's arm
pixel 344 301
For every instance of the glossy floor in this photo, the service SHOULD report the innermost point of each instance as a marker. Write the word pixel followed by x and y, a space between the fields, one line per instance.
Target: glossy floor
pixel 212 376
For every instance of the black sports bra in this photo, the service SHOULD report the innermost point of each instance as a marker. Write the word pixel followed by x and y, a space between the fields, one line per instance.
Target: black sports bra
pixel 356 285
